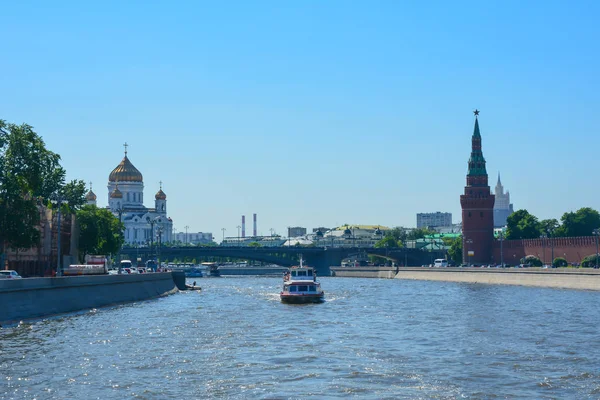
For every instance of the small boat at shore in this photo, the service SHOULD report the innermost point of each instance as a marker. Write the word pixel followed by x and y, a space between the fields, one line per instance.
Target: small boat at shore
pixel 300 286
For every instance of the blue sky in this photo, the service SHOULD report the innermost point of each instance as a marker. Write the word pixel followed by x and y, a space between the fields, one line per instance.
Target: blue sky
pixel 312 113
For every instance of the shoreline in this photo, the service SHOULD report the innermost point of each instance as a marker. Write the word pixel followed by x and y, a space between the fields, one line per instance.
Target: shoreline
pixel 559 278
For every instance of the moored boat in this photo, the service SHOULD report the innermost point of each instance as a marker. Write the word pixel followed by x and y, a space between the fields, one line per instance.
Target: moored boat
pixel 300 286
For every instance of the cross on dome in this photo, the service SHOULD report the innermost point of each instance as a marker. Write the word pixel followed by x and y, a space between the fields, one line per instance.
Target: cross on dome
pixel 125 145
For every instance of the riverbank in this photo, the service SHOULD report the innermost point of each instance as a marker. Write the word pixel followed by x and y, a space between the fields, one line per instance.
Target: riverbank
pixel 563 278
pixel 40 297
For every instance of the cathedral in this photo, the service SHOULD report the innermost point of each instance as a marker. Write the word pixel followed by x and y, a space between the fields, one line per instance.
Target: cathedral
pixel 502 207
pixel 126 200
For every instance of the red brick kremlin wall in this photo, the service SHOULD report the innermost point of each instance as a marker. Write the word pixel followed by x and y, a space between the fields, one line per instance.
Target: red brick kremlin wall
pixel 573 249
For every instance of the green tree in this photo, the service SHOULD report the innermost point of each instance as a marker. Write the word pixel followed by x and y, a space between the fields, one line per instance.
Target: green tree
pixel 100 232
pixel 590 261
pixel 388 242
pixel 522 225
pixel 456 249
pixel 74 193
pixel 399 233
pixel 579 223
pixel 559 262
pixel 419 233
pixel 533 261
pixel 254 244
pixel 549 227
pixel 29 175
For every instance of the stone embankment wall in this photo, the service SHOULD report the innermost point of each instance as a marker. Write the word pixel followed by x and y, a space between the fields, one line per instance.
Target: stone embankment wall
pixel 252 270
pixel 364 272
pixel 40 297
pixel 566 278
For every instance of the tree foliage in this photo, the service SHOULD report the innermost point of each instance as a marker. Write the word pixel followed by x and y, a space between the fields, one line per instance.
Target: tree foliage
pixel 419 233
pixel 522 225
pixel 456 250
pixel 559 262
pixel 590 261
pixel 533 261
pixel 548 227
pixel 100 232
pixel 254 244
pixel 74 194
pixel 29 174
pixel 579 223
pixel 388 242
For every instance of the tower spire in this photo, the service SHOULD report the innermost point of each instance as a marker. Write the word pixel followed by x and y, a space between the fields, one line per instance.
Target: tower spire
pixel 125 145
pixel 499 183
pixel 476 161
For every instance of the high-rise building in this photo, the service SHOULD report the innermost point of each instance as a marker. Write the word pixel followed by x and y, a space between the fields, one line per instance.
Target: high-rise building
pixel 296 231
pixel 477 206
pixel 502 206
pixel 433 220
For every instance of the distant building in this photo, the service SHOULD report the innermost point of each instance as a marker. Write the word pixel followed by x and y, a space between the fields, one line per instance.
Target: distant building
pixel 193 237
pixel 432 220
pixel 296 231
pixel 263 241
pixel 321 228
pixel 502 207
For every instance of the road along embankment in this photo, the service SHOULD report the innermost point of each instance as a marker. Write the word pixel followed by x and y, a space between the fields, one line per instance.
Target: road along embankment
pixel 564 278
pixel 364 272
pixel 40 297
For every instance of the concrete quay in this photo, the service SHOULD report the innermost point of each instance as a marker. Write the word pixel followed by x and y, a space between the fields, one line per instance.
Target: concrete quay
pixel 562 278
pixel 41 297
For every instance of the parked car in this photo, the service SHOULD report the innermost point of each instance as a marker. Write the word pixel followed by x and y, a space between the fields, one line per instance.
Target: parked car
pixel 9 274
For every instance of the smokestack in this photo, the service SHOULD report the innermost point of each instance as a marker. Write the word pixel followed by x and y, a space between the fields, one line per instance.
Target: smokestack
pixel 254 228
pixel 243 226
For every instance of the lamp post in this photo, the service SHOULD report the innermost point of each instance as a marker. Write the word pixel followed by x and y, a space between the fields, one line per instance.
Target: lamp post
pixel 289 241
pixel 596 233
pixel 238 228
pixel 544 237
pixel 271 230
pixel 58 200
pixel 501 239
pixel 469 242
pixel 151 222
pixel 186 235
pixel 159 232
pixel 223 230
pixel 551 235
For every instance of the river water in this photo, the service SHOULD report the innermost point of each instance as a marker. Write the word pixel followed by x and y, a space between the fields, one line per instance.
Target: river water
pixel 371 339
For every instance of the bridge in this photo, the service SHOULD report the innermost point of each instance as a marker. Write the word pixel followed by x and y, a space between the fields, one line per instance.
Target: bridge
pixel 319 257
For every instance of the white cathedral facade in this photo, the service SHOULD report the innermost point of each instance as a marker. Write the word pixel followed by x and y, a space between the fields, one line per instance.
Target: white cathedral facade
pixel 126 201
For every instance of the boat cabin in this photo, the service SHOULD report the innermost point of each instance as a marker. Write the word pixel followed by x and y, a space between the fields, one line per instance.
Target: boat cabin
pixel 299 288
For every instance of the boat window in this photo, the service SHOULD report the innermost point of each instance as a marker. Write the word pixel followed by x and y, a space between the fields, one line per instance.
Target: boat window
pixel 292 288
pixel 303 288
pixel 312 289
pixel 301 273
pixel 293 273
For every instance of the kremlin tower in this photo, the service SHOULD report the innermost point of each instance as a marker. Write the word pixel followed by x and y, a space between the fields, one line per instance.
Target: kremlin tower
pixel 477 207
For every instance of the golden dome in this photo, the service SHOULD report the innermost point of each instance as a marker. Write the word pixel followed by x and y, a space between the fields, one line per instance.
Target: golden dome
pixel 125 172
pixel 90 196
pixel 116 194
pixel 160 195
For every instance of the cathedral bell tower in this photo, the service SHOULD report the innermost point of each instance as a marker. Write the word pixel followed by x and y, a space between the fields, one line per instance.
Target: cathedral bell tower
pixel 160 201
pixel 477 207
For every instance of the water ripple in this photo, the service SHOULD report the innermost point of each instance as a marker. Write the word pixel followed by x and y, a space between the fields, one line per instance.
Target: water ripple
pixel 373 339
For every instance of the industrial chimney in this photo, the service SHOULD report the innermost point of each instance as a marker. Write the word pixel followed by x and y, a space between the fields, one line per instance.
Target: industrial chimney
pixel 243 226
pixel 254 225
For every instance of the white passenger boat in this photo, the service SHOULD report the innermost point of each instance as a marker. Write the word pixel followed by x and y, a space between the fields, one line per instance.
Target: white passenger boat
pixel 300 286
